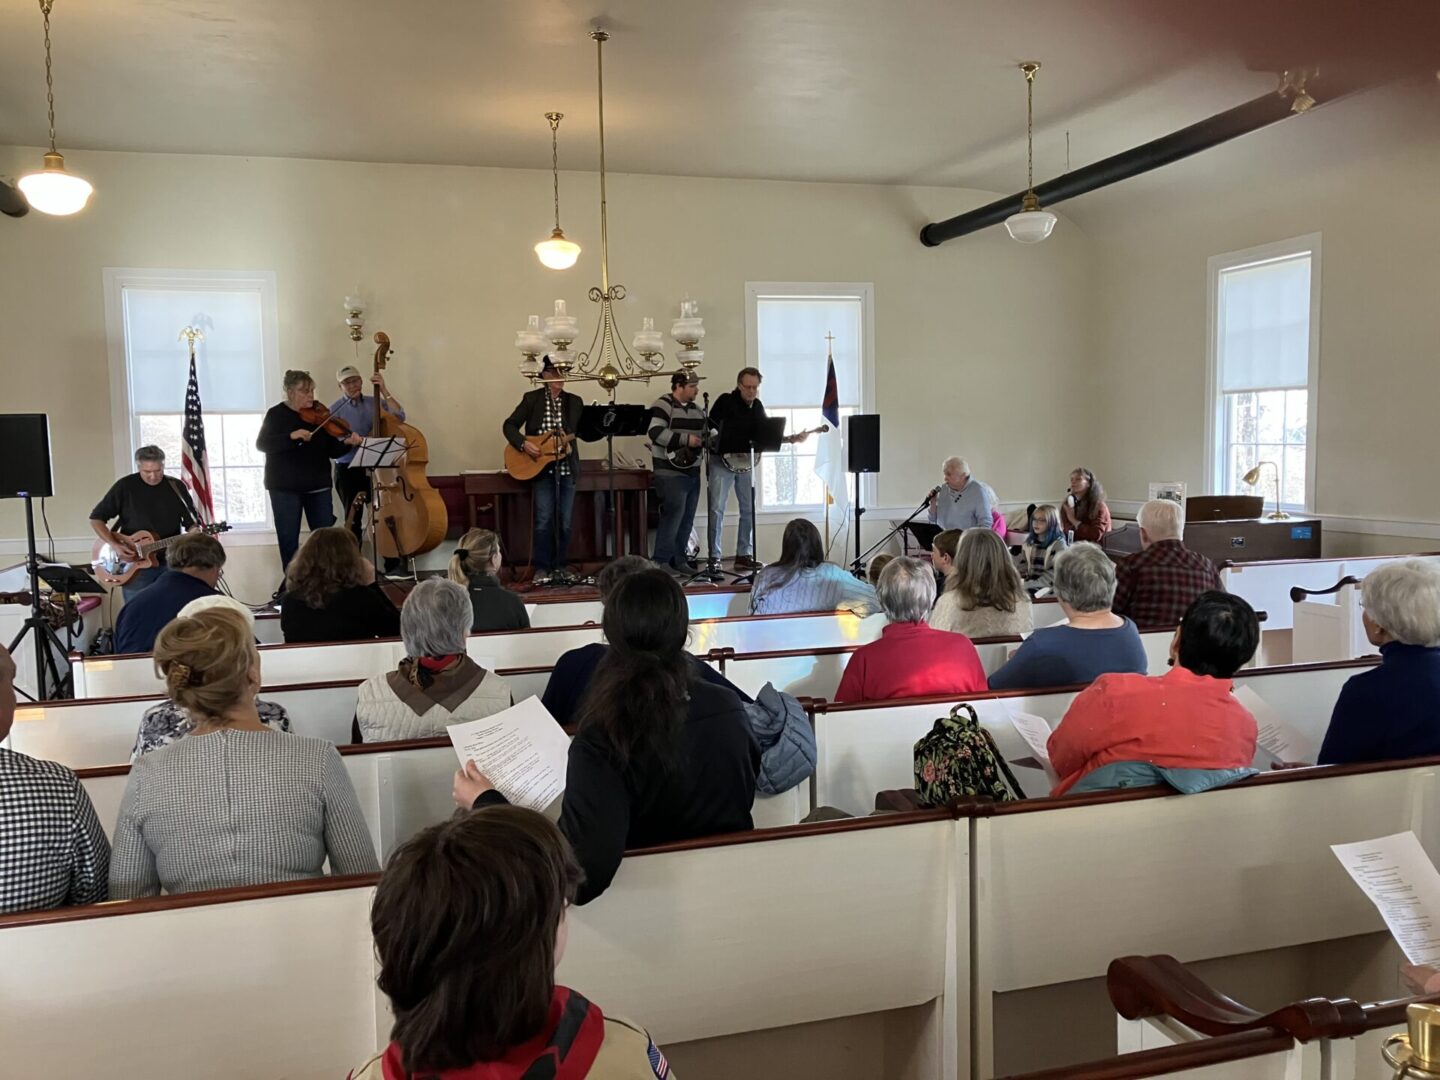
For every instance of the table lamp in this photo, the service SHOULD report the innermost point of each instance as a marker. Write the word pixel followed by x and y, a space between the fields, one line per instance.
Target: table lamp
pixel 1253 477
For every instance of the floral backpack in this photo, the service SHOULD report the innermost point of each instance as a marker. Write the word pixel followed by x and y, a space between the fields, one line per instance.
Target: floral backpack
pixel 959 759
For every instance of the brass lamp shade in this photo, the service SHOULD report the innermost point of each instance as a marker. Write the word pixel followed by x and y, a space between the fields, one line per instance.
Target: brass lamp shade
pixel 1252 478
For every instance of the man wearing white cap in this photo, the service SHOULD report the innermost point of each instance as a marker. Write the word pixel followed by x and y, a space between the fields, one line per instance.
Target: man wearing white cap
pixel 357 409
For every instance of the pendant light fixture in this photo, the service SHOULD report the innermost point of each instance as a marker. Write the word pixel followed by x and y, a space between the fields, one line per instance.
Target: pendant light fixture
pixel 557 252
pixel 1031 224
pixel 53 190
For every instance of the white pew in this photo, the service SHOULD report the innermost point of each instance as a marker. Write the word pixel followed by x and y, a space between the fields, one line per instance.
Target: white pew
pixel 869 747
pixel 135 674
pixel 405 787
pixel 856 913
pixel 1235 871
pixel 1267 585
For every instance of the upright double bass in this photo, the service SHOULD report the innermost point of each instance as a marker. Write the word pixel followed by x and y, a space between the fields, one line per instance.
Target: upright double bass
pixel 410 517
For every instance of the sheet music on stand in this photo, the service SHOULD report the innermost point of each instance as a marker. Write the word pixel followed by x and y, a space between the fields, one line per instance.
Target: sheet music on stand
pixel 379 453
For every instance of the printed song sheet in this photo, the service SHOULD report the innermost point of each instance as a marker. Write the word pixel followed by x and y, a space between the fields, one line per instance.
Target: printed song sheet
pixel 522 751
pixel 1036 733
pixel 1402 882
pixel 1275 735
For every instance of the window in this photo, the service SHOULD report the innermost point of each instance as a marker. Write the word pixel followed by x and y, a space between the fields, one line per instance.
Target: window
pixel 150 369
pixel 1264 346
pixel 787 328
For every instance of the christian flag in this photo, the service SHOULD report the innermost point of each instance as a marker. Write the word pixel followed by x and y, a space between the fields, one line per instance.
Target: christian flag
pixel 195 466
pixel 830 454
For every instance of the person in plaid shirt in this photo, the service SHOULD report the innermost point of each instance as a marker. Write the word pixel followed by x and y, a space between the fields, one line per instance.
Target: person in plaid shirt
pixel 1157 584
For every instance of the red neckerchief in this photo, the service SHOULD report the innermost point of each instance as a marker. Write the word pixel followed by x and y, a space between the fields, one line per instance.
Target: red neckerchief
pixel 564 1050
pixel 437 663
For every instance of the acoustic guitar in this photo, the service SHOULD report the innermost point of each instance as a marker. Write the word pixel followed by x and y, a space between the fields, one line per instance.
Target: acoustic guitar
pixel 741 462
pixel 112 568
pixel 554 445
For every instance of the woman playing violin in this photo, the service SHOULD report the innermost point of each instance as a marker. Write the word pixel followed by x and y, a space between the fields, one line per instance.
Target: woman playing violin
pixel 298 438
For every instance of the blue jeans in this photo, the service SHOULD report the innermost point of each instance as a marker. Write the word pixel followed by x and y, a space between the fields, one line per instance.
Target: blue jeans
pixel 287 506
pixel 142 580
pixel 543 538
pixel 679 494
pixel 722 480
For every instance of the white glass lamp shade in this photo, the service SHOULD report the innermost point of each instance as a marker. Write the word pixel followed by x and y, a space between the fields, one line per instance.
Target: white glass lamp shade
pixel 688 331
pixel 531 341
pixel 561 328
pixel 557 252
pixel 648 340
pixel 690 359
pixel 1030 226
pixel 52 190
pixel 562 359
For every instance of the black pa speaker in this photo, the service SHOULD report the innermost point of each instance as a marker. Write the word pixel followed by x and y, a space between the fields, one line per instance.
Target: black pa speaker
pixel 862 441
pixel 25 456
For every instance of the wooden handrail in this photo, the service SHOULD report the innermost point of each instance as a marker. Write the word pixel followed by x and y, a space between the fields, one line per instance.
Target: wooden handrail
pixel 1141 986
pixel 1297 593
pixel 1386 1014
pixel 1170 1059
pixel 1233 564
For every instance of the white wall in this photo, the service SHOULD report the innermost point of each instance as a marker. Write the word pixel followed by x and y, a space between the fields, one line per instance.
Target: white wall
pixel 1360 172
pixel 970 337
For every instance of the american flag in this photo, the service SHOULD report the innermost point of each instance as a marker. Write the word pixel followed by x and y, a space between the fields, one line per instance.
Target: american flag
pixel 195 466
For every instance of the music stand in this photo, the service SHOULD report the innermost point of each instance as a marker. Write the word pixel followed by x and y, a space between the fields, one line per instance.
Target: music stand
pixel 378 452
pixel 751 435
pixel 924 533
pixel 605 422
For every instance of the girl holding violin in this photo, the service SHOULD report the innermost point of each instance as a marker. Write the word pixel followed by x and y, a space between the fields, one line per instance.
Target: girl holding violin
pixel 298 437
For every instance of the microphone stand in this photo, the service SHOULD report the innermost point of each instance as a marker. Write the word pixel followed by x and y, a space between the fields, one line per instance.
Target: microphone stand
pixel 711 571
pixel 858 566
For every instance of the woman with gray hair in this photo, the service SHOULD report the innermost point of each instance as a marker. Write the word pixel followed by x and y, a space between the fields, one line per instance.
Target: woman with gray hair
pixel 1092 642
pixel 910 659
pixel 1393 711
pixel 436 684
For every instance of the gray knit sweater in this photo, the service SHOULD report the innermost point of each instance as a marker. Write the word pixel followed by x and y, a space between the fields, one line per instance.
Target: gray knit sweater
pixel 237 808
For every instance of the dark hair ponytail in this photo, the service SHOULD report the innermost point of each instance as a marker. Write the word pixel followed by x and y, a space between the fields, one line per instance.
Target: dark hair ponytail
pixel 637 698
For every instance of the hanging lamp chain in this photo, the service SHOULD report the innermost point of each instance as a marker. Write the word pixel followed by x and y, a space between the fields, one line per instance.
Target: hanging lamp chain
pixel 1030 70
pixel 45 6
pixel 600 37
pixel 555 118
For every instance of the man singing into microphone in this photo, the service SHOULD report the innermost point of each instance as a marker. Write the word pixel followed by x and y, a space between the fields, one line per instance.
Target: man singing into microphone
pixel 960 502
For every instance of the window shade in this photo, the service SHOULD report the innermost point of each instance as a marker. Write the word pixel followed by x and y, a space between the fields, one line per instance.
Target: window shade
pixel 1264 326
pixel 229 362
pixel 791 348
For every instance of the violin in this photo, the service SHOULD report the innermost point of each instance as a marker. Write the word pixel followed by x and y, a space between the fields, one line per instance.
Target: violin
pixel 319 417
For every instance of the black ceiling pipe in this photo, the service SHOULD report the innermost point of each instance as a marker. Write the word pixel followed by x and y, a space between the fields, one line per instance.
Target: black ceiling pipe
pixel 1222 127
pixel 12 203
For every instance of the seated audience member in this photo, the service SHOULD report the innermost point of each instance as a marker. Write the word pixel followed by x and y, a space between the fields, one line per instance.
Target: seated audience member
pixel 1084 511
pixel 436 684
pixel 910 659
pixel 997 516
pixel 961 502
pixel 164 723
pixel 469 926
pixel 53 851
pixel 1155 585
pixel 983 594
pixel 1393 711
pixel 877 566
pixel 331 594
pixel 234 802
pixel 570 678
pixel 1095 641
pixel 660 754
pixel 803 581
pixel 1184 727
pixel 192 571
pixel 476 565
pixel 1043 543
pixel 942 555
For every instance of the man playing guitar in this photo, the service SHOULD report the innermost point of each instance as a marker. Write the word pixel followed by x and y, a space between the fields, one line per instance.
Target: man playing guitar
pixel 678 430
pixel 548 409
pixel 144 501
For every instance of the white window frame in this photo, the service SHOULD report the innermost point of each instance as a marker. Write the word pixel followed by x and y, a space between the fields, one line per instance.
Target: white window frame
pixel 125 430
pixel 1215 465
pixel 819 290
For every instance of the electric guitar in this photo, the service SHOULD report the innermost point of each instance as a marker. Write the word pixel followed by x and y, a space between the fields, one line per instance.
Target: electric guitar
pixel 112 568
pixel 554 445
pixel 741 462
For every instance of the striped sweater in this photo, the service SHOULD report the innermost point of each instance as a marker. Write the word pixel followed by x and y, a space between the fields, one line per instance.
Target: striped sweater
pixel 671 424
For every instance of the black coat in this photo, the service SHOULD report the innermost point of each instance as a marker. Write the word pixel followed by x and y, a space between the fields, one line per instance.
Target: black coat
pixel 529 419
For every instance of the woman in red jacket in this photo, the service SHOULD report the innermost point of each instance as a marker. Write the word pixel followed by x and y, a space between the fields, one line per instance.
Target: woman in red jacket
pixel 910 659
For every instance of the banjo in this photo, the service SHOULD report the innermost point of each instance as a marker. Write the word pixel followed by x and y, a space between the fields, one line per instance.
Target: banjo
pixel 741 462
